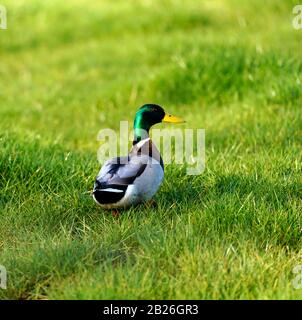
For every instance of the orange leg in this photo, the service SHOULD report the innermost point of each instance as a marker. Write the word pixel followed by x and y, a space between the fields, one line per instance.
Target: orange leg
pixel 152 203
pixel 115 213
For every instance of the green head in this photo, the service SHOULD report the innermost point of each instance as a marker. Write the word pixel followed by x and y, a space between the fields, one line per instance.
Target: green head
pixel 147 116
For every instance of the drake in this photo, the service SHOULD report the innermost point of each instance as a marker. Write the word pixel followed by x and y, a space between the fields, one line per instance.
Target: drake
pixel 129 180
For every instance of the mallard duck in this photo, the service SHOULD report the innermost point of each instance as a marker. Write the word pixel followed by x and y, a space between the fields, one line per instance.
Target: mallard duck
pixel 126 181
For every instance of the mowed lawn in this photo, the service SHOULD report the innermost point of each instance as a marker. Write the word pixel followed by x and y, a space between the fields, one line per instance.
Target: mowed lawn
pixel 71 68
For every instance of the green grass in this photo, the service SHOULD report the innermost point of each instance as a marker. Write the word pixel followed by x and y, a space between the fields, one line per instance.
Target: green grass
pixel 69 69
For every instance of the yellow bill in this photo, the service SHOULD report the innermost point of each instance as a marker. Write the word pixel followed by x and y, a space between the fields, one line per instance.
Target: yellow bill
pixel 172 119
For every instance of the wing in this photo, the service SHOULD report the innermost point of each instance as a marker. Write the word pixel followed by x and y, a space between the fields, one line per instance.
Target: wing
pixel 121 171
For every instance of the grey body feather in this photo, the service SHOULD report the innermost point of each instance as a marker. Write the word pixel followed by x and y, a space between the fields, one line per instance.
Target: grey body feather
pixel 123 181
